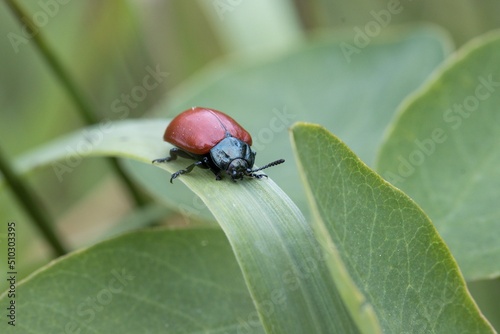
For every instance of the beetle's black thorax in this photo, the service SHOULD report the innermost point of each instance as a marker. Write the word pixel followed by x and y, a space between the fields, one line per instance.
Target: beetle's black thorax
pixel 230 149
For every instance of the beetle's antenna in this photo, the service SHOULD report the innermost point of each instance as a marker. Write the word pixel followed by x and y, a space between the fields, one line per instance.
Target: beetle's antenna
pixel 274 163
pixel 227 132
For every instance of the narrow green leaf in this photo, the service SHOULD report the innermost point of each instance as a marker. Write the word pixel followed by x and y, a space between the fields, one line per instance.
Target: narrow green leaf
pixel 388 245
pixel 278 254
pixel 162 281
pixel 443 152
pixel 140 139
pixel 276 249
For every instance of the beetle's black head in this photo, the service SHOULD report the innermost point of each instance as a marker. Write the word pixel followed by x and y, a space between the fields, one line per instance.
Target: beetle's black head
pixel 238 168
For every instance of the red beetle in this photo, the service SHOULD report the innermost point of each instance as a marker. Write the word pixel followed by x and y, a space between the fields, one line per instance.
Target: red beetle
pixel 215 141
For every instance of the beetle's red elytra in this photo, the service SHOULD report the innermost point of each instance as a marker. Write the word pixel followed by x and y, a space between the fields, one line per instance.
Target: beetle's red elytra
pixel 198 130
pixel 215 141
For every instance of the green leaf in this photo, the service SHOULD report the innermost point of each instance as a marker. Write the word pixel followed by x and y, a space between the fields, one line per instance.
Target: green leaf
pixel 146 282
pixel 277 252
pixel 388 245
pixel 443 152
pixel 276 249
pixel 314 82
pixel 139 139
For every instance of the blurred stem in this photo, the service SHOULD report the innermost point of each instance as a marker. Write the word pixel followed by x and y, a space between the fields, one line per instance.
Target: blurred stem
pixel 26 197
pixel 83 107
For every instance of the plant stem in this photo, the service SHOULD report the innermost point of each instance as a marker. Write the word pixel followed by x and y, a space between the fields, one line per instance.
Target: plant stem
pixel 26 197
pixel 83 107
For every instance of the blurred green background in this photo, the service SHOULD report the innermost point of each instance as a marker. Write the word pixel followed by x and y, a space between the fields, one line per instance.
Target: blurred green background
pixel 109 46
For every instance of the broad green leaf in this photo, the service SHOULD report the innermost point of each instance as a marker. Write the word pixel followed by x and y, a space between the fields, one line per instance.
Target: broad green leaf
pixel 316 83
pixel 388 245
pixel 274 246
pixel 177 281
pixel 443 151
pixel 279 256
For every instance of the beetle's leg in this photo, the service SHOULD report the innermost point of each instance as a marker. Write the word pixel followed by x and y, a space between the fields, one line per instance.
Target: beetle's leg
pixel 216 170
pixel 174 153
pixel 185 171
pixel 201 163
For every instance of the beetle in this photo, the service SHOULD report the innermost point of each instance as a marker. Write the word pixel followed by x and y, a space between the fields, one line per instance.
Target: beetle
pixel 215 141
